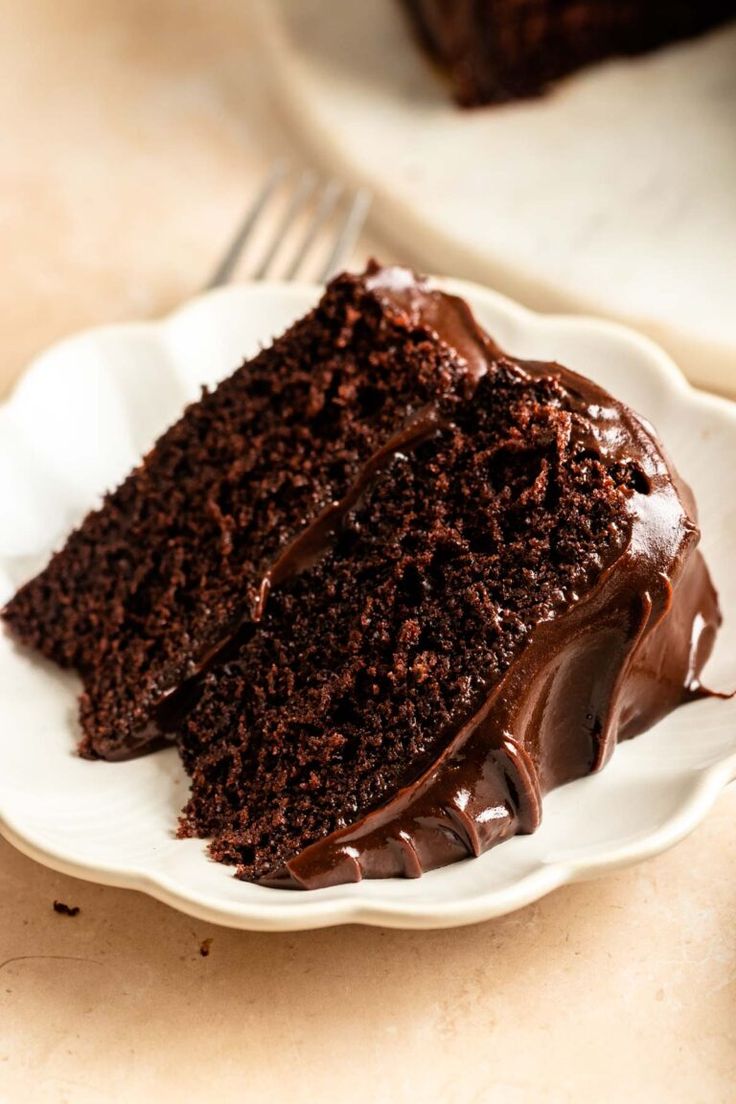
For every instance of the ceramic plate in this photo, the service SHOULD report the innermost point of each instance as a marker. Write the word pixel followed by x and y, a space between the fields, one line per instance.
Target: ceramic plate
pixel 82 416
pixel 605 196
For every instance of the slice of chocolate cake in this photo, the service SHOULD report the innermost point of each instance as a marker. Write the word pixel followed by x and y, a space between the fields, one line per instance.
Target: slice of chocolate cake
pixel 496 50
pixel 406 585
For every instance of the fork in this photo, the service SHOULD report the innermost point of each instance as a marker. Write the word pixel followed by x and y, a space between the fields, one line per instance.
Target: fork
pixel 323 202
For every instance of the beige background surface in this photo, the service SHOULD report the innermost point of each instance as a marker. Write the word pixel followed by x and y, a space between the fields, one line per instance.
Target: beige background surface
pixel 131 132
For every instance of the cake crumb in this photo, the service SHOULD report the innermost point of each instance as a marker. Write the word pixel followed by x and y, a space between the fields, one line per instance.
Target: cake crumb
pixel 204 947
pixel 66 910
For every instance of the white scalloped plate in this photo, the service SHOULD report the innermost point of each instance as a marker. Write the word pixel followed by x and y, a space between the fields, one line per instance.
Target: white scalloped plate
pixel 80 418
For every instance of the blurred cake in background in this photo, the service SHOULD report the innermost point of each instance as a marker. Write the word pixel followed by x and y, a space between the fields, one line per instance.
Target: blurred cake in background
pixel 497 50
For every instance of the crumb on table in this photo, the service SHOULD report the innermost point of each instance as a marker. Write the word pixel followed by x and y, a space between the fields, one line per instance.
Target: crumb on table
pixel 66 910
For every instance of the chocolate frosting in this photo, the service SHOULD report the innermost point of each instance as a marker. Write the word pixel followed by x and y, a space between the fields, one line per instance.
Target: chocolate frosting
pixel 618 659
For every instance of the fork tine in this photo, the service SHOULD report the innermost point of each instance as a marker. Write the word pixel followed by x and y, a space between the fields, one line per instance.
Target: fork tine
pixel 348 233
pixel 304 188
pixel 225 268
pixel 329 197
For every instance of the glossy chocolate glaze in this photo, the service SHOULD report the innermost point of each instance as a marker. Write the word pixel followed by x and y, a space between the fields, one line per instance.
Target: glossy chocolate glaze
pixel 623 655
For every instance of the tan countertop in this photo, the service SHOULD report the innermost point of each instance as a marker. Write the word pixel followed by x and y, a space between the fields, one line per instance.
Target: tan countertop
pixel 130 136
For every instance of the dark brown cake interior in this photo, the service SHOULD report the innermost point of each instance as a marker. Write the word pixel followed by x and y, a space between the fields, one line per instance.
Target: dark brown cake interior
pixel 153 581
pixel 364 663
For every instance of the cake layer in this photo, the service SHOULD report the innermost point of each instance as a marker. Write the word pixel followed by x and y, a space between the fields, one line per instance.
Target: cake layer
pixel 496 50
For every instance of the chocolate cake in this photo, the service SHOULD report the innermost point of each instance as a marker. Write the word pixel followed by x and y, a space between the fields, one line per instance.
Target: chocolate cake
pixel 496 50
pixel 385 587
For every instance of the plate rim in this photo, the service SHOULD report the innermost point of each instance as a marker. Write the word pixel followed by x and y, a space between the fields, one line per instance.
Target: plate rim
pixel 314 912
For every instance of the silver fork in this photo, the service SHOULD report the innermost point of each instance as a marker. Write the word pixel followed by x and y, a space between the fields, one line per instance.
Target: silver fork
pixel 326 206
